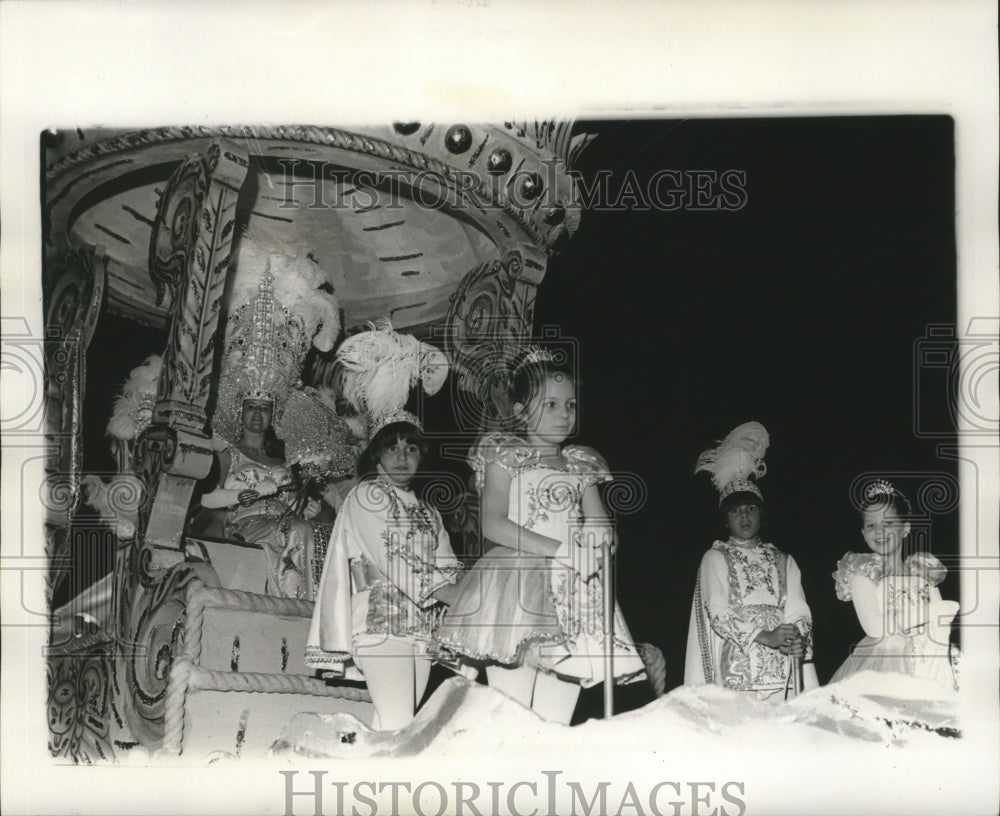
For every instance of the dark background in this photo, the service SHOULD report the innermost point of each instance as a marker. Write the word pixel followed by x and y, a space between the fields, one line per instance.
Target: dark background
pixel 804 310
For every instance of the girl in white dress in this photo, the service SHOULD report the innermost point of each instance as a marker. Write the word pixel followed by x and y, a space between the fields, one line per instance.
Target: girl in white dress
pixel 531 609
pixel 906 622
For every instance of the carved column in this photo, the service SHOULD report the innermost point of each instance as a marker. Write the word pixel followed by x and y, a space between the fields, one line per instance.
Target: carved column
pixel 189 259
pixel 489 320
pixel 72 305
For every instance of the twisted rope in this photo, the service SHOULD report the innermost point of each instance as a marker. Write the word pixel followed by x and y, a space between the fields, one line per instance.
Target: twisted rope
pixel 173 715
pixel 252 602
pixel 656 667
pixel 193 623
pixel 186 674
pixel 214 680
pixel 200 596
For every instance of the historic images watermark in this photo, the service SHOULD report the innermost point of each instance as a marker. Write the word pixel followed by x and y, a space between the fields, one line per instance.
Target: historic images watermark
pixel 956 377
pixel 328 186
pixel 545 794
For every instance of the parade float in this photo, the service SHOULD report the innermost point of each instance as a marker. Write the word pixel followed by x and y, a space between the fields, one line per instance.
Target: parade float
pixel 447 230
pixel 444 228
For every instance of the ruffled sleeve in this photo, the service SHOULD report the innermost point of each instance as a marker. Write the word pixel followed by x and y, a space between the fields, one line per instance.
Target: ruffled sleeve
pixel 587 462
pixel 507 450
pixel 927 567
pixel 869 565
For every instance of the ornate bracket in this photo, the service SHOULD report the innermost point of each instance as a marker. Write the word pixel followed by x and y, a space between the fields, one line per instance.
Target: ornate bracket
pixel 189 257
pixel 489 319
pixel 72 306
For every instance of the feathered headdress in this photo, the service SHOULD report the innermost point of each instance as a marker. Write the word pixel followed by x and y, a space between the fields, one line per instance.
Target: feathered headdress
pixel 736 460
pixel 117 501
pixel 378 367
pixel 279 302
pixel 133 408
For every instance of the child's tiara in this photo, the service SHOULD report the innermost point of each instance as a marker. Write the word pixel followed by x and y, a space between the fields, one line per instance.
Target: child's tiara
pixel 880 487
pixel 535 354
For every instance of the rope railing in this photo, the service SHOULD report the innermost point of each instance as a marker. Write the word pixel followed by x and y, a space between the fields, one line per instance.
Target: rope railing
pixel 186 675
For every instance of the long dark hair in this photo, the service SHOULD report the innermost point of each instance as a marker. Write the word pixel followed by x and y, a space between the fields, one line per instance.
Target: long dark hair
pixel 384 439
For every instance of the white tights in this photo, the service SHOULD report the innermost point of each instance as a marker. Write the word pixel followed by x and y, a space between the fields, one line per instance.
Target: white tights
pixel 545 694
pixel 396 672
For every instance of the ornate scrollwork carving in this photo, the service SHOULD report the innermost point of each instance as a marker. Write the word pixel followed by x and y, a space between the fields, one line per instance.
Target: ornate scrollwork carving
pixel 549 146
pixel 81 712
pixel 172 240
pixel 153 638
pixel 489 318
pixel 72 305
pixel 189 256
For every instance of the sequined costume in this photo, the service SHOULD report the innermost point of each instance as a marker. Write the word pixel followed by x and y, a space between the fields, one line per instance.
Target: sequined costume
pixel 388 553
pixel 285 538
pixel 509 600
pixel 742 589
pixel 906 622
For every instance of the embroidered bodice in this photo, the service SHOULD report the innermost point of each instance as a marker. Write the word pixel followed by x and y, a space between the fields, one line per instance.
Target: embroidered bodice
pixel 746 587
pixel 545 497
pixel 245 474
pixel 755 575
pixel 926 568
pixel 399 553
pixel 899 603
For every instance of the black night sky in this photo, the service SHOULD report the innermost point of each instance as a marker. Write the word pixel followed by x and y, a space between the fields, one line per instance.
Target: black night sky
pixel 804 310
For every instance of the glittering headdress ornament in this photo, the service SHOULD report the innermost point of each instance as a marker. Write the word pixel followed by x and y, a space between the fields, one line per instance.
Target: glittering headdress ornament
pixel 378 367
pixel 736 460
pixel 535 354
pixel 397 415
pixel 880 488
pixel 315 437
pixel 279 303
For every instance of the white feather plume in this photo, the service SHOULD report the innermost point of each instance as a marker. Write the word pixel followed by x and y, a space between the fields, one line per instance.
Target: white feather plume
pixel 379 366
pixel 116 502
pixel 300 285
pixel 132 408
pixel 739 456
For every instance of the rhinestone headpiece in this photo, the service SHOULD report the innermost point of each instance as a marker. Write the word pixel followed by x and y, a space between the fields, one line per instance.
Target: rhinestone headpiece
pixel 397 415
pixel 315 436
pixel 535 354
pixel 278 306
pixel 265 347
pixel 878 488
pixel 740 486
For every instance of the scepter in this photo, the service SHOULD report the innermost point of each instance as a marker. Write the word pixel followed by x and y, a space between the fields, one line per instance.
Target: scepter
pixel 609 627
